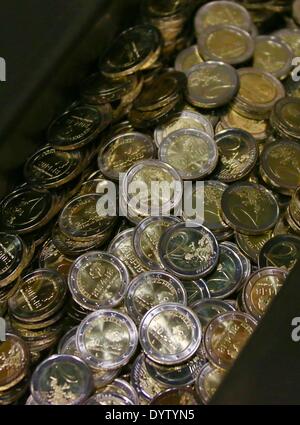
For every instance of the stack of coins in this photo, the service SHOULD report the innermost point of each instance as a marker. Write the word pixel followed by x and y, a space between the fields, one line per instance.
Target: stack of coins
pixel 194 142
pixel 15 361
pixel 170 17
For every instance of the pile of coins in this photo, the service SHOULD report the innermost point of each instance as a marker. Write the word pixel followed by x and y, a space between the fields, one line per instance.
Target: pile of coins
pixel 116 299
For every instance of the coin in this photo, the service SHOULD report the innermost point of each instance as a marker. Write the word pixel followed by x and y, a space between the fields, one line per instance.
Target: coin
pixel 135 49
pixel 160 91
pixel 39 295
pixel 294 206
pixel 109 399
pixel 150 289
pixel 212 84
pixel 284 118
pixel 61 380
pixel 258 93
pixel 250 209
pixel 280 166
pixel 15 359
pixel 252 245
pixel 228 275
pixel 122 247
pixel 49 168
pixel 15 394
pixel 183 120
pixel 246 264
pixel 192 153
pixel 261 289
pixel 178 397
pixel 238 152
pixel 170 334
pixel 207 309
pixel 26 209
pixel 257 128
pixel 189 250
pixel 107 339
pixel 98 280
pixel 208 381
pixel 226 43
pixel 176 376
pixel 291 37
pixel 225 337
pixel 146 239
pixel 51 258
pixel 78 126
pixel 99 90
pixel 146 387
pixel 196 290
pixel 85 217
pixel 188 58
pixel 149 176
pixel 210 194
pixel 122 387
pixel 12 252
pixel 222 12
pixel 272 55
pixel 117 155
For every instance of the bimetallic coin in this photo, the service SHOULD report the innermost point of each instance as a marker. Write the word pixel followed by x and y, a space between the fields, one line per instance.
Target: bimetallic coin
pixel 225 337
pixel 107 339
pixel 122 152
pixel 257 128
pixel 192 153
pixel 61 380
pixel 196 290
pixel 79 126
pixel 259 91
pixel 99 90
pixel 123 388
pixel 208 381
pixel 150 177
pixel 208 309
pixel 146 239
pixel 170 334
pixel 176 376
pixel 246 264
pixel 50 168
pixel 135 49
pixel 98 280
pixel 291 37
pixel 261 289
pixel 238 153
pixel 285 118
pixel 183 120
pixel 146 387
pixel 228 275
pixel 26 210
pixel 222 12
pixel 150 289
pixel 189 250
pixel 226 43
pixel 211 84
pixel 12 250
pixel 39 295
pixel 282 251
pixel 273 55
pixel 160 91
pixel 252 245
pixel 177 397
pixel 122 247
pixel 51 258
pixel 14 361
pixel 109 399
pixel 188 58
pixel 85 217
pixel 210 195
pixel 280 166
pixel 249 208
